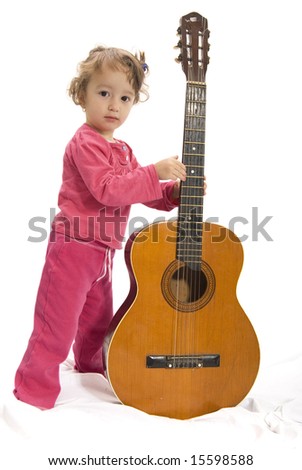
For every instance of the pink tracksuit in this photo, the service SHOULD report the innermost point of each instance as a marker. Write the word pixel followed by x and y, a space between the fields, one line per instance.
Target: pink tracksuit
pixel 74 302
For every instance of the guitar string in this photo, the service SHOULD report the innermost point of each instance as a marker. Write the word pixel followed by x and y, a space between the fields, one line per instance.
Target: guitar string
pixel 195 112
pixel 178 343
pixel 181 249
pixel 202 113
pixel 190 240
pixel 193 245
pixel 185 324
pixel 190 225
pixel 188 244
pixel 199 105
pixel 184 330
pixel 185 228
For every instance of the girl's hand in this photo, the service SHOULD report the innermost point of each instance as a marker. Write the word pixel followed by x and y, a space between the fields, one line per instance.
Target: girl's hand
pixel 204 185
pixel 170 169
pixel 176 190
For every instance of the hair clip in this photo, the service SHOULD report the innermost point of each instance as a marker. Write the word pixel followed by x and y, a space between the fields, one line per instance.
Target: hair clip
pixel 145 67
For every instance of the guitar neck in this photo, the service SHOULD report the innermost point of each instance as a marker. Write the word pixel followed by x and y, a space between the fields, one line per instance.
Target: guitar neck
pixel 190 215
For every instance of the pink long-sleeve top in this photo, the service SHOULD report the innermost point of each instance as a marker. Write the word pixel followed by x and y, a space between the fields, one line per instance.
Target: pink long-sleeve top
pixel 101 180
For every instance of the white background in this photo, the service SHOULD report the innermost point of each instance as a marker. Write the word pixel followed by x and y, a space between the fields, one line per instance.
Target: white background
pixel 253 140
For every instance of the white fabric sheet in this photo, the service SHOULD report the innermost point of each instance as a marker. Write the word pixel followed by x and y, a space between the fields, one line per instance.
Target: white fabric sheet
pixel 88 421
pixel 253 157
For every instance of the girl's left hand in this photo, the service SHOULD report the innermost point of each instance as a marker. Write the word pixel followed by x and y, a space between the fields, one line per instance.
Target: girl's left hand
pixel 176 190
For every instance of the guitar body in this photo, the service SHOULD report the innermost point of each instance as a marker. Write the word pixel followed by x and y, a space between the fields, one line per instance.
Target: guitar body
pixel 181 345
pixel 176 354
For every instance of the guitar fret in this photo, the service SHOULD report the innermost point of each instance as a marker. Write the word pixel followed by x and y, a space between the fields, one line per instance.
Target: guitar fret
pixel 187 196
pixel 190 205
pixel 189 258
pixel 189 246
pixel 195 233
pixel 190 226
pixel 189 214
pixel 195 166
pixel 196 250
pixel 197 190
pixel 192 142
pixel 188 186
pixel 195 115
pixel 190 222
pixel 193 154
pixel 189 155
pixel 198 101
pixel 197 84
pixel 191 211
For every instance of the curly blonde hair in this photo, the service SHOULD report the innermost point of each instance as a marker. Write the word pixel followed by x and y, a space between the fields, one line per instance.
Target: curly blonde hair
pixel 117 59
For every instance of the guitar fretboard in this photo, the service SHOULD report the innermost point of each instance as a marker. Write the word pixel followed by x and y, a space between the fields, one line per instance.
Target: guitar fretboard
pixel 190 214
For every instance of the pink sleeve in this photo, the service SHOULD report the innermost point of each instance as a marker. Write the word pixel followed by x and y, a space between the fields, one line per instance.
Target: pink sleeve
pixel 92 159
pixel 166 203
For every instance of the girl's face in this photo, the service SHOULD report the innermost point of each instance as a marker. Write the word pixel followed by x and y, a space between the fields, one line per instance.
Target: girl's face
pixel 108 101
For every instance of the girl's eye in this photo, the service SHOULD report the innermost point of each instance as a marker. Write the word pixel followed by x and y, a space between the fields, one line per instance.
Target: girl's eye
pixel 104 93
pixel 125 99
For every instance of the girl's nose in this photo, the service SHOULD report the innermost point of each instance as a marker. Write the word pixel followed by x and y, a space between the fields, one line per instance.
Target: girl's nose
pixel 113 106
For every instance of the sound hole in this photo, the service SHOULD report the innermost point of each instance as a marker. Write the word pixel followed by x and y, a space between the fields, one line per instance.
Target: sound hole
pixel 185 289
pixel 188 285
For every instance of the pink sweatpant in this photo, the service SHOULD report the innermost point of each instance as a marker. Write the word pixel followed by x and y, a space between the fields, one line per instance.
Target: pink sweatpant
pixel 74 304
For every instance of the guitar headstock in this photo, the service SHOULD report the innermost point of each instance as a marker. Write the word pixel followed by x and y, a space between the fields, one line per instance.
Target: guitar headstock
pixel 194 46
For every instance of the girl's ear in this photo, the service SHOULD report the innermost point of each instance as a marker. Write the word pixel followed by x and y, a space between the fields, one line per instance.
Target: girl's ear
pixel 81 101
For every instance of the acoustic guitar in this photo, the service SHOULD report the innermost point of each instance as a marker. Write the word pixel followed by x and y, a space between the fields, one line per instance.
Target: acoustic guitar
pixel 181 345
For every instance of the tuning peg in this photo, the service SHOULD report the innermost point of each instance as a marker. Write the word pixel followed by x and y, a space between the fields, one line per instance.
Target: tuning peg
pixel 179 59
pixel 179 45
pixel 179 30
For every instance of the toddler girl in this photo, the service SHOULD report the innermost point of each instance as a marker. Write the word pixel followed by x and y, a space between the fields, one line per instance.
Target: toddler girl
pixel 101 179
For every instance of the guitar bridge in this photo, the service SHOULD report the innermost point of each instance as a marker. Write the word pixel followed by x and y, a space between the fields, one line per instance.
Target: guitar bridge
pixel 197 361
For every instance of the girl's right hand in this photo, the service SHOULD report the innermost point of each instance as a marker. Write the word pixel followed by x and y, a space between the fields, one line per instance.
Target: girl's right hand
pixel 170 169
